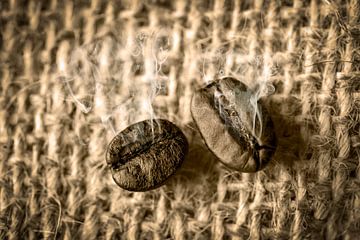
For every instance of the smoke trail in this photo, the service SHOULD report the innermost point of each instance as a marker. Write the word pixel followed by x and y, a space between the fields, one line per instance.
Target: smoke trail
pixel 255 73
pixel 118 79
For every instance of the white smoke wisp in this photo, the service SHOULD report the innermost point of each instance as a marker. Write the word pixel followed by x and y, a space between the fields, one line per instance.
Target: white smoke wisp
pixel 263 88
pixel 213 60
pixel 225 60
pixel 118 79
pixel 79 77
pixel 160 46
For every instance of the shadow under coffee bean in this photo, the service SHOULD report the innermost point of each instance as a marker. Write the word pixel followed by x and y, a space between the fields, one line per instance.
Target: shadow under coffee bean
pixel 237 130
pixel 145 154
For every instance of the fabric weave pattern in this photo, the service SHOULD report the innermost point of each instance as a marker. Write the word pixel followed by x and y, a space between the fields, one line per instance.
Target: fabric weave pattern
pixel 73 73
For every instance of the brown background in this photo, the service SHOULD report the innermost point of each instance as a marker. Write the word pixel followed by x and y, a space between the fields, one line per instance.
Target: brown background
pixel 73 73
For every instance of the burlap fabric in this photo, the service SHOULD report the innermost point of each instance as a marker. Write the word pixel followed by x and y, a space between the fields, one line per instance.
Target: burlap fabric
pixel 73 73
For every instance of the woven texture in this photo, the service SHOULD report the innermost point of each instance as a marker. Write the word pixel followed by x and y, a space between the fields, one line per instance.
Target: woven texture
pixel 74 73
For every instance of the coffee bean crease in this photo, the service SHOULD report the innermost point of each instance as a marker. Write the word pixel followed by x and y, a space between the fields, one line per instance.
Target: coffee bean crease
pixel 234 124
pixel 144 155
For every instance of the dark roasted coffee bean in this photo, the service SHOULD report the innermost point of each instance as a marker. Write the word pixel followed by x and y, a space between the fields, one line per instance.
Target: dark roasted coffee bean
pixel 145 154
pixel 234 125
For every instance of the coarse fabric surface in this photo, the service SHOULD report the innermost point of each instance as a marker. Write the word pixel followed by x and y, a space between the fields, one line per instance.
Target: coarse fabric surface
pixel 75 73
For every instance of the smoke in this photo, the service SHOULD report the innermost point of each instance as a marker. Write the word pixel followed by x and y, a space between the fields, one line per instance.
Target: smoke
pixel 120 79
pixel 219 59
pixel 116 79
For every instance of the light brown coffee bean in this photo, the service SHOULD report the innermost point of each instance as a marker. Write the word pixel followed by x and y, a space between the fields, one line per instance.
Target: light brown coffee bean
pixel 145 154
pixel 234 125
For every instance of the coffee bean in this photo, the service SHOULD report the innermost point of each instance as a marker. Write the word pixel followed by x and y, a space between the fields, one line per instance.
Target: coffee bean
pixel 145 154
pixel 234 125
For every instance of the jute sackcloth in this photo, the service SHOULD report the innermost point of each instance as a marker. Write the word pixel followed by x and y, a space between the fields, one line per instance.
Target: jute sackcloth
pixel 75 73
